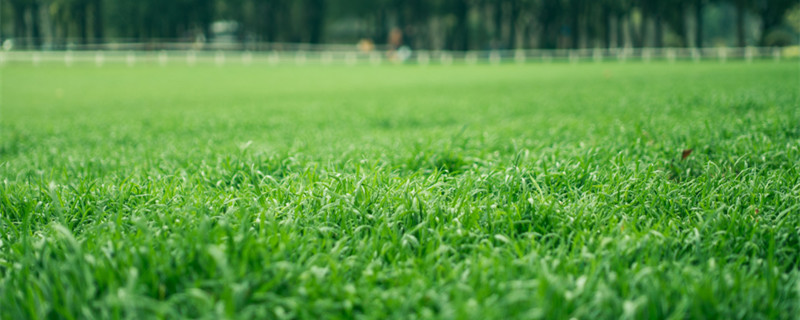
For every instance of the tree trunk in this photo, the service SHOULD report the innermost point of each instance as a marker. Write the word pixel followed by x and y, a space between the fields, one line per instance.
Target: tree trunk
pixel 684 27
pixel 659 32
pixel 18 11
pixel 461 32
pixel 620 31
pixel 33 24
pixel 83 29
pixel 269 24
pixel 575 26
pixel 497 37
pixel 514 25
pixel 315 13
pixel 97 20
pixel 698 26
pixel 381 34
pixel 642 38
pixel 635 35
pixel 607 30
pixel 740 37
pixel 765 28
pixel 45 24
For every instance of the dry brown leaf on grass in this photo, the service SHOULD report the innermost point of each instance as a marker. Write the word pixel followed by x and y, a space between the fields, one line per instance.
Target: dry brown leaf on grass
pixel 685 154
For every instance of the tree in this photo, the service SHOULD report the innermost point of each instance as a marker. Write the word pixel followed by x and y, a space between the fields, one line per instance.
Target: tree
pixel 699 23
pixel 742 6
pixel 772 13
pixel 450 24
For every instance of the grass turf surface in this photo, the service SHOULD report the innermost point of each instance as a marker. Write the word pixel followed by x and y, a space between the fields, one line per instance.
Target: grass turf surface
pixel 538 191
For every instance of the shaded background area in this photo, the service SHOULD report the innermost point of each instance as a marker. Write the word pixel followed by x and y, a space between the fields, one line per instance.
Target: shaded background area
pixel 419 24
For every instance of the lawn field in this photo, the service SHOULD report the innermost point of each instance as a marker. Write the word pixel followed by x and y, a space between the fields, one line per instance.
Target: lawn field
pixel 452 192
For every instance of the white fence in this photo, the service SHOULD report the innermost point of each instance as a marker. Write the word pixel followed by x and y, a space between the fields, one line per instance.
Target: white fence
pixel 354 57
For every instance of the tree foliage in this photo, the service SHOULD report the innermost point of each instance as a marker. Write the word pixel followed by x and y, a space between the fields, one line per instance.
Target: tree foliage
pixel 432 24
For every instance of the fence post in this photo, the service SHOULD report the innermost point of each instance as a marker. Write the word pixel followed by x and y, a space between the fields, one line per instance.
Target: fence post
pixel 776 54
pixel 748 54
pixel 547 58
pixel 423 58
pixel 671 55
pixel 494 57
pixel 274 58
pixel 247 58
pixel 191 58
pixel 219 58
pixel 446 59
pixel 471 58
pixel 68 58
pixel 99 58
pixel 300 58
pixel 375 58
pixel 351 58
pixel 646 55
pixel 162 58
pixel 519 56
pixel 327 58
pixel 130 59
pixel 597 55
pixel 722 53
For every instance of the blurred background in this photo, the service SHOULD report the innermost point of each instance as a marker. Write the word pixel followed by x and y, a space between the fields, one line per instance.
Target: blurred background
pixel 455 25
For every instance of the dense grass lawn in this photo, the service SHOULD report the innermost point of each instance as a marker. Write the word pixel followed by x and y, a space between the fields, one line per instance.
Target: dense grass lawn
pixel 538 191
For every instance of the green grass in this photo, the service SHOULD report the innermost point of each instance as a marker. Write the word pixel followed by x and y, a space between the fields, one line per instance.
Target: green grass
pixel 538 191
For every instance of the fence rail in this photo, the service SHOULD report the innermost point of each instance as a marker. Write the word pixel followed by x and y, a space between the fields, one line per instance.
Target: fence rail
pixel 355 57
